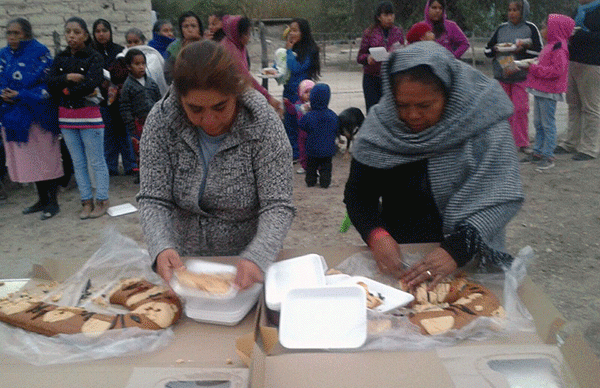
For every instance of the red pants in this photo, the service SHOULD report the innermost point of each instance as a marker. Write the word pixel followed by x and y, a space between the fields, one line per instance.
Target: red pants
pixel 519 123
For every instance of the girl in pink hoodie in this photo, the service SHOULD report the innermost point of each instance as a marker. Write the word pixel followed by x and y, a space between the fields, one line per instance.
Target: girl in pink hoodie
pixel 546 81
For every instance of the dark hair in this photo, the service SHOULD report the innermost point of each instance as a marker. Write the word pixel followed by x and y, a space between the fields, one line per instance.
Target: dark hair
pixel 132 53
pixel 438 28
pixel 25 26
pixel 137 32
pixel 158 25
pixel 218 14
pixel 243 26
pixel 190 14
pixel 83 25
pixel 383 8
pixel 307 46
pixel 422 74
pixel 106 24
pixel 207 65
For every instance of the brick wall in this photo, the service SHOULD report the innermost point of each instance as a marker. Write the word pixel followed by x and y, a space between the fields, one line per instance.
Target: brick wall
pixel 47 17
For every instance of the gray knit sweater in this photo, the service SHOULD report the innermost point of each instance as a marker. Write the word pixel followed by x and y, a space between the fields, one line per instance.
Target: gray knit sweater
pixel 246 208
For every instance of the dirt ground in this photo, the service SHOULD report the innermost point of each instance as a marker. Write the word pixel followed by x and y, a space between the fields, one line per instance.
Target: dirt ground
pixel 560 221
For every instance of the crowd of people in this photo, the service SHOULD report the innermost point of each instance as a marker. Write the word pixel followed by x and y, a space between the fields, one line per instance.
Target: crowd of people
pixel 212 149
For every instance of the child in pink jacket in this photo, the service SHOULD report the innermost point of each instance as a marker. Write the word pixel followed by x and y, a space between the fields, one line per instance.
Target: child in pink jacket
pixel 547 80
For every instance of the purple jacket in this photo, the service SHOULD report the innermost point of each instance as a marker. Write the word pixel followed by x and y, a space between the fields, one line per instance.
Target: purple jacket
pixel 550 74
pixel 374 37
pixel 453 38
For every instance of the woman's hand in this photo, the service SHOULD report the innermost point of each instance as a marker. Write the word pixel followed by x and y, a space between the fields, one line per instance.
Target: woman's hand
pixel 435 266
pixel 9 95
pixel 247 274
pixel 276 104
pixel 386 252
pixel 75 77
pixel 166 262
pixel 371 60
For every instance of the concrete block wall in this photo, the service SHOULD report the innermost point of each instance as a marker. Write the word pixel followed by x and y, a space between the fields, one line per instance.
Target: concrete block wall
pixel 48 17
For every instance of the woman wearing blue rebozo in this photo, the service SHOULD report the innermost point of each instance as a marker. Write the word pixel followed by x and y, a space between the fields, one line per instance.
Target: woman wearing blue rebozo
pixel 29 120
pixel 435 161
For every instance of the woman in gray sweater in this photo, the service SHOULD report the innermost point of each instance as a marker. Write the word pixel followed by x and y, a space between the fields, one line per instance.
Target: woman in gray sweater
pixel 215 169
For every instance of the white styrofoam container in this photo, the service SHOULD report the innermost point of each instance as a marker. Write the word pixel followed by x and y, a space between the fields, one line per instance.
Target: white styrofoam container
pixel 324 318
pixel 298 272
pixel 228 313
pixel 228 309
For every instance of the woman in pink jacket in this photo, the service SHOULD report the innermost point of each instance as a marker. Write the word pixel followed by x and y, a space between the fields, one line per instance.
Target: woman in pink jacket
pixel 237 35
pixel 447 33
pixel 382 33
pixel 547 80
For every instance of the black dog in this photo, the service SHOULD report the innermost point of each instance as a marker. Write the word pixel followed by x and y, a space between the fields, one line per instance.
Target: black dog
pixel 350 121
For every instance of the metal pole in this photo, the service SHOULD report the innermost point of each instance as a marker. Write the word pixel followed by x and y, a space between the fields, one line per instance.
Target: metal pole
pixel 264 58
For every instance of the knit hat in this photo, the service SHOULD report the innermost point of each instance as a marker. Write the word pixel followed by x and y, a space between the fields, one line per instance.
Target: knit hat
pixel 417 31
pixel 304 86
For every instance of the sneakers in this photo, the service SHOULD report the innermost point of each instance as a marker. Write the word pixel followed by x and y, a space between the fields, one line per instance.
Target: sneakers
pixel 100 209
pixel 86 210
pixel 580 156
pixel 531 158
pixel 544 164
pixel 300 171
pixel 561 151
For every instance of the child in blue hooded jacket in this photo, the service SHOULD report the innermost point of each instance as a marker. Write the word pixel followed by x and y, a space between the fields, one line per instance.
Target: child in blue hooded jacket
pixel 321 126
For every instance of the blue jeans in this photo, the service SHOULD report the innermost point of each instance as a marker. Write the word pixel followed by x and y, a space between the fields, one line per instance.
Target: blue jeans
pixel 544 121
pixel 84 143
pixel 117 140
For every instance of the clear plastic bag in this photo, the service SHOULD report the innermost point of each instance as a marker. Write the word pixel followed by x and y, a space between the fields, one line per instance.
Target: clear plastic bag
pixel 119 257
pixel 391 331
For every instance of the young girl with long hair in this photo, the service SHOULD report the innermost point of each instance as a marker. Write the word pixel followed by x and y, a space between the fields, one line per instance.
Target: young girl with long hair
pixel 74 81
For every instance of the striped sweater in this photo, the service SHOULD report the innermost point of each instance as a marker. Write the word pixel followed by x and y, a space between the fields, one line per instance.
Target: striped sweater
pixel 472 165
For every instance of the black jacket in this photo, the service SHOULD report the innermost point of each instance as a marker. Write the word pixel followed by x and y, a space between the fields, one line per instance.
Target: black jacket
pixel 136 100
pixel 584 46
pixel 87 62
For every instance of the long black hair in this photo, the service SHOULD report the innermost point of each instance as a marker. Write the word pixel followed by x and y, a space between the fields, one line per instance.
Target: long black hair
pixel 438 27
pixel 307 46
pixel 83 25
pixel 383 8
pixel 190 14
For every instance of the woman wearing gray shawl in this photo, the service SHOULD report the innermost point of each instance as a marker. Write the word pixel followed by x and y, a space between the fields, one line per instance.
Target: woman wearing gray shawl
pixel 435 162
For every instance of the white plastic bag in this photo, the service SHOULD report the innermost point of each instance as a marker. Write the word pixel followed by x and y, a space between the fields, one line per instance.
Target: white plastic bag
pixel 398 333
pixel 119 257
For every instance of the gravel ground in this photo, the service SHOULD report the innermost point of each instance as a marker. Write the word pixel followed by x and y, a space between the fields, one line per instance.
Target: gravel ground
pixel 560 220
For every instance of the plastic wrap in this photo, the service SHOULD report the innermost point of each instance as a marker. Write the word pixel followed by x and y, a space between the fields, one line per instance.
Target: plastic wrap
pixel 119 257
pixel 392 331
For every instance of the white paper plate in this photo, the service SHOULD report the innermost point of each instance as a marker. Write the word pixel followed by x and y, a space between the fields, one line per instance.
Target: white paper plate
pixel 120 210
pixel 261 75
pixel 324 318
pixel 391 297
pixel 299 272
pixel 506 49
pixel 379 54
pixel 201 266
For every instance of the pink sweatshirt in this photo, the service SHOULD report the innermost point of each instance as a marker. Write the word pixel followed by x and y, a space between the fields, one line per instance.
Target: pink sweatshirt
pixel 550 74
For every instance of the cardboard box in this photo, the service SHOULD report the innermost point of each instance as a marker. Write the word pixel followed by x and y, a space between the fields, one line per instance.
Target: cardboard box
pixel 495 363
pixel 197 350
pixel 251 349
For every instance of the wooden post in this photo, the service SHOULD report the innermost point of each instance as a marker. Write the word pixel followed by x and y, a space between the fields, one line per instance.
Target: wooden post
pixel 264 51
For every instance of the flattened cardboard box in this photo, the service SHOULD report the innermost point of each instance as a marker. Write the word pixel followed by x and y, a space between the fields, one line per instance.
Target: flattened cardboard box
pixel 197 347
pixel 472 363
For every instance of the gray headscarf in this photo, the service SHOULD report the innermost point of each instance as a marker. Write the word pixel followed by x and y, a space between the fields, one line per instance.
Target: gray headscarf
pixel 472 163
